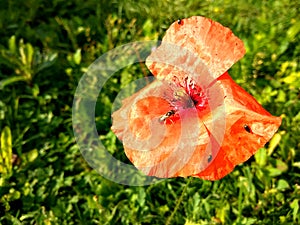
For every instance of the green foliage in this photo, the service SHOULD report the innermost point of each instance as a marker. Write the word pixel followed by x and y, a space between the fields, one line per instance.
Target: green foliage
pixel 5 151
pixel 45 48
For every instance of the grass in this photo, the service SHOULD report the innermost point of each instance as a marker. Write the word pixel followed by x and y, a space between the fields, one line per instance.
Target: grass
pixel 46 46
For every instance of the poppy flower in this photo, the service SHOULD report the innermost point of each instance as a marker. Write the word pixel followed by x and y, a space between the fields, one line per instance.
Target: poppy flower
pixel 193 120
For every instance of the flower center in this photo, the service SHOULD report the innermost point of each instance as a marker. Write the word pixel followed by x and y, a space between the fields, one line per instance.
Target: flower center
pixel 196 93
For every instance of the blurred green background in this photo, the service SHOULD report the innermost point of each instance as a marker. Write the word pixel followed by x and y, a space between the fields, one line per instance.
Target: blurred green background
pixel 45 48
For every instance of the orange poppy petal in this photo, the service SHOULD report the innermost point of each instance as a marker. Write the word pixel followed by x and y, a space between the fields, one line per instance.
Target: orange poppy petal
pixel 248 127
pixel 156 147
pixel 215 45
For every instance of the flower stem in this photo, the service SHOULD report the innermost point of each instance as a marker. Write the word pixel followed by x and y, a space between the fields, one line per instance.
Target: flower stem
pixel 178 202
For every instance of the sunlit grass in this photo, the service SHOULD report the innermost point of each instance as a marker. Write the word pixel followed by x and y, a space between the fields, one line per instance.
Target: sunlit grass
pixel 46 46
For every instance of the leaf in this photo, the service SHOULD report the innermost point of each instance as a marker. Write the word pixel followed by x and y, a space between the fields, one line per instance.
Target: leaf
pixel 282 166
pixel 12 80
pixel 12 44
pixel 6 151
pixel 191 223
pixel 222 212
pixel 292 79
pixel 293 30
pixel 282 184
pixel 273 172
pixel 29 54
pixel 261 157
pixel 22 52
pixel 278 170
pixel 283 47
pixel 281 97
pixel 148 27
pixel 13 219
pixel 31 155
pixel 295 206
pixel 249 221
pixel 273 143
pixel 47 61
pixel 296 164
pixel 77 57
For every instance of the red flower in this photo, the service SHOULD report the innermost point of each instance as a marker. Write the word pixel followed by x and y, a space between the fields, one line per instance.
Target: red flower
pixel 194 120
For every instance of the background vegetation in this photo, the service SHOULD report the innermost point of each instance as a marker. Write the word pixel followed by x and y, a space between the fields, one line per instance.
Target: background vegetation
pixel 46 46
